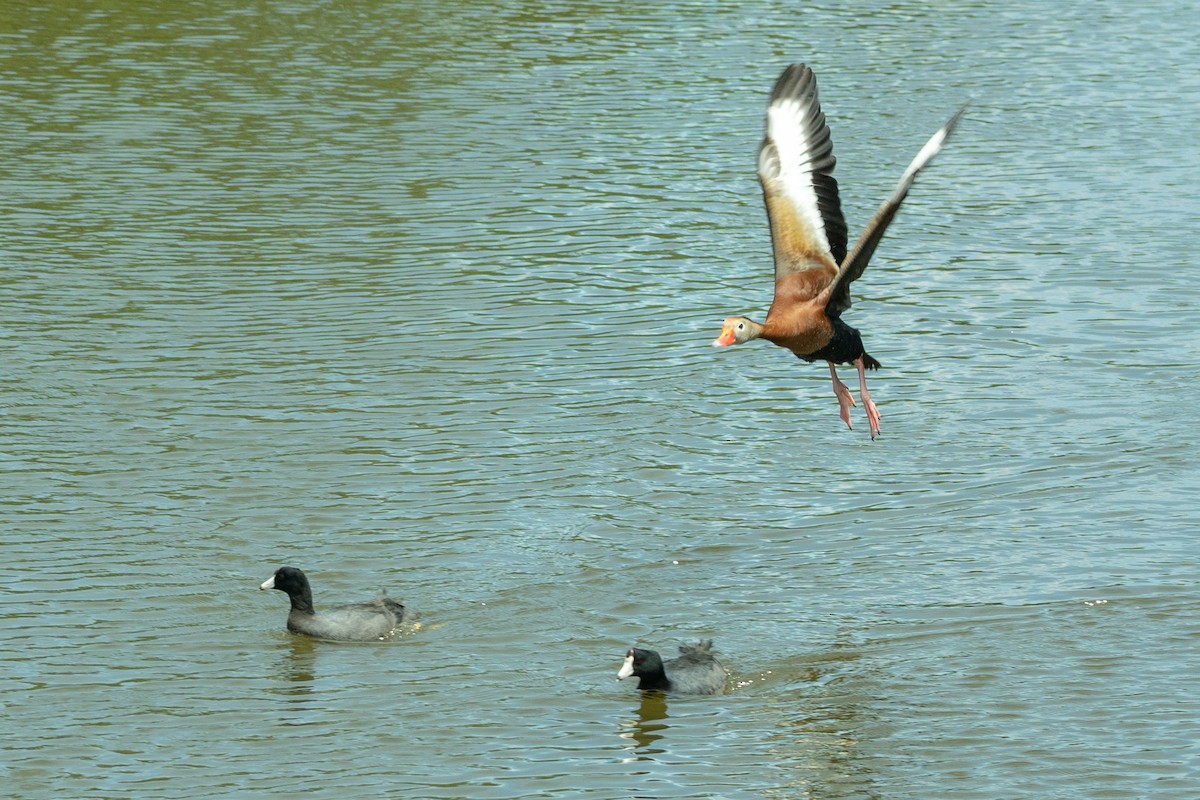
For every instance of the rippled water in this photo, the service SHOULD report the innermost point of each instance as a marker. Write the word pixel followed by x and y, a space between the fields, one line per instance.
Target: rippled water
pixel 420 296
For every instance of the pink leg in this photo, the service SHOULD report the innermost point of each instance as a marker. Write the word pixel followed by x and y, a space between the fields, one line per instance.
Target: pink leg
pixel 868 406
pixel 845 400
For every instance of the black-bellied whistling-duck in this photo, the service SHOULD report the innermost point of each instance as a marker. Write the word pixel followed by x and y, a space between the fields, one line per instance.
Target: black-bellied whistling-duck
pixel 813 270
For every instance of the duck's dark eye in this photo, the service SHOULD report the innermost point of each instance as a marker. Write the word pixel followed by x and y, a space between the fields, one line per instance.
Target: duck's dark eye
pixel 741 326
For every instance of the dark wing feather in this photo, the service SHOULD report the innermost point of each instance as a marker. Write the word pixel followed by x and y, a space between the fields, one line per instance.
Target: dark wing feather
pixel 858 258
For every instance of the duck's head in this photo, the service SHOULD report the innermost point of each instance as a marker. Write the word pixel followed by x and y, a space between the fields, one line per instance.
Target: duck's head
pixel 737 330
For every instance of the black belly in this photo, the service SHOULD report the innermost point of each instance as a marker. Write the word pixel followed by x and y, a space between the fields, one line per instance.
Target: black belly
pixel 845 347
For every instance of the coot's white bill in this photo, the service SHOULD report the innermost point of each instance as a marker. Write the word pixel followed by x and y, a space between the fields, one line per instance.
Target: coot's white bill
pixel 626 668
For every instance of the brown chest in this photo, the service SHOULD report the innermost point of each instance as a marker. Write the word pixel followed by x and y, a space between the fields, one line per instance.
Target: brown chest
pixel 803 329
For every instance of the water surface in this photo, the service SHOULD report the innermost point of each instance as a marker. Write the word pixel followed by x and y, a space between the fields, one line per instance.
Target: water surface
pixel 420 296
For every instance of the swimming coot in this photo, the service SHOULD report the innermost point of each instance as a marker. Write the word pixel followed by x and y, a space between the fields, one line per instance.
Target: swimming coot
pixel 359 622
pixel 696 671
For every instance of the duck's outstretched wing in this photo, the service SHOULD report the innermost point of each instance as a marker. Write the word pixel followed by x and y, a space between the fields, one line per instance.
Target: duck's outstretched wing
pixel 856 261
pixel 795 167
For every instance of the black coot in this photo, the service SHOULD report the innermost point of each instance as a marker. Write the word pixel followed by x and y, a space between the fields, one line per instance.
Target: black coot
pixel 696 671
pixel 360 622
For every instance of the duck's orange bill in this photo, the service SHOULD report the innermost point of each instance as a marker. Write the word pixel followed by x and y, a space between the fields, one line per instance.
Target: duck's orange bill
pixel 726 338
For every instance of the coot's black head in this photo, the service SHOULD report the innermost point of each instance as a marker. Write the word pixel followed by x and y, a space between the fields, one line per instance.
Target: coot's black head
pixel 292 581
pixel 647 666
pixel 286 579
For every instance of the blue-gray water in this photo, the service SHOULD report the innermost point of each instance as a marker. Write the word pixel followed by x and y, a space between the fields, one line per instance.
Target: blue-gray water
pixel 419 295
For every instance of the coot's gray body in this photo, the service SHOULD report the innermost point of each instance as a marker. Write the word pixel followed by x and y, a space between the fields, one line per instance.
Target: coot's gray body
pixel 358 622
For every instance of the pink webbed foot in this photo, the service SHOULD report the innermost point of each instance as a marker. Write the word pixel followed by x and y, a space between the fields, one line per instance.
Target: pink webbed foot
pixel 868 406
pixel 844 398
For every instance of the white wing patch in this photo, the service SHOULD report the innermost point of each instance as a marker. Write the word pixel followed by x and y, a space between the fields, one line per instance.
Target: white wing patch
pixel 931 149
pixel 787 130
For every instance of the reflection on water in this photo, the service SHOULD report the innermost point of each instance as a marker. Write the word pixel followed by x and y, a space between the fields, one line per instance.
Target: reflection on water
pixel 296 668
pixel 646 729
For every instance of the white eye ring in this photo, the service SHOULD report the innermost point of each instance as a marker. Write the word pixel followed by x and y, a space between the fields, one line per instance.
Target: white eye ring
pixel 741 326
